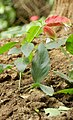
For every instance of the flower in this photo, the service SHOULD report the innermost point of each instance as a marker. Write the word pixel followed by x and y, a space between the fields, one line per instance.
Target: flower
pixel 51 33
pixel 34 18
pixel 57 21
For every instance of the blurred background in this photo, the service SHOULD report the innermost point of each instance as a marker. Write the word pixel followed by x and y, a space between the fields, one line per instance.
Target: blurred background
pixel 16 14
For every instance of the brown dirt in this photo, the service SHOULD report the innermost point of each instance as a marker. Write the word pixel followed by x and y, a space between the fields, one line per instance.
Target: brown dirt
pixel 15 105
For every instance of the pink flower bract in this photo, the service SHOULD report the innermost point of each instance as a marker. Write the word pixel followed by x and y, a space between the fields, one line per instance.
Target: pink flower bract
pixel 34 18
pixel 57 21
pixel 48 31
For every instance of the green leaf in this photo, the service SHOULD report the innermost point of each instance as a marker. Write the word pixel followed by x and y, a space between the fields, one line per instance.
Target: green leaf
pixel 1 68
pixel 46 89
pixel 64 76
pixel 65 91
pixel 63 108
pixel 4 66
pixel 6 47
pixel 27 48
pixel 14 50
pixel 13 32
pixel 55 44
pixel 70 74
pixel 69 44
pixel 33 32
pixel 52 111
pixel 21 63
pixel 7 66
pixel 39 22
pixel 56 111
pixel 40 64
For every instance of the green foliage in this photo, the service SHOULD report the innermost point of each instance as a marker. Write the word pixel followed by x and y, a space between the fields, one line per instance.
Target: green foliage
pixel 4 67
pixel 21 63
pixel 21 30
pixel 39 22
pixel 13 32
pixel 40 69
pixel 46 89
pixel 56 111
pixel 55 44
pixel 69 44
pixel 1 68
pixel 65 91
pixel 27 48
pixel 7 46
pixel 33 32
pixel 7 14
pixel 70 74
pixel 40 64
pixel 68 78
pixel 41 61
pixel 14 50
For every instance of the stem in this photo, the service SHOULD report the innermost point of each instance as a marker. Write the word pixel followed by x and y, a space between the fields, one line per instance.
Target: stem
pixel 20 78
pixel 35 85
pixel 66 54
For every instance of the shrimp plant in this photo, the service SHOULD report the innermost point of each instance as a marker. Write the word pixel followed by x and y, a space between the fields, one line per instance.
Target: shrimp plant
pixel 37 55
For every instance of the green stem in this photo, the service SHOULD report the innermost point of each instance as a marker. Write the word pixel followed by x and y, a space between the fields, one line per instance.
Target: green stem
pixel 67 55
pixel 64 51
pixel 35 85
pixel 20 78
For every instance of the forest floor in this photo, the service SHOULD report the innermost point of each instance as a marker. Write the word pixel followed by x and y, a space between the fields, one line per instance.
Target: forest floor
pixel 15 105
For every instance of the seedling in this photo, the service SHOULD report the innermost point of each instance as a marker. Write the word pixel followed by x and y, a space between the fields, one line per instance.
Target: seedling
pixel 41 61
pixel 21 64
pixel 40 69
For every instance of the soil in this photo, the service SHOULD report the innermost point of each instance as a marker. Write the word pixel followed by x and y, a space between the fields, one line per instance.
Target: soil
pixel 23 104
